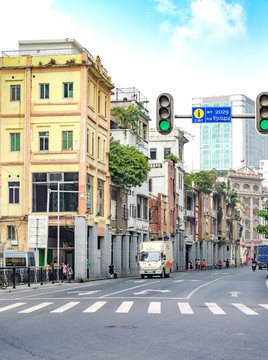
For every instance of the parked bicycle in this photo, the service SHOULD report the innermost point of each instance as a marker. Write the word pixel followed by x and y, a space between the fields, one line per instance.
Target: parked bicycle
pixel 3 281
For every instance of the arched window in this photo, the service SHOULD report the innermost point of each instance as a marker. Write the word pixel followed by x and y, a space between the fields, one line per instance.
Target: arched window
pixel 247 224
pixel 255 211
pixel 236 186
pixel 255 188
pixel 246 187
pixel 247 235
pixel 247 211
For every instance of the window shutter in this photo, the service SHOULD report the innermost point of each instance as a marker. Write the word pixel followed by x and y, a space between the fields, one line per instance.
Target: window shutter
pixel 18 142
pixel 12 139
pixel 64 140
pixel 70 140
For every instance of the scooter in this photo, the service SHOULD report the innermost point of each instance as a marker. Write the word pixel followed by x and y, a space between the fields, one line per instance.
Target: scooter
pixel 254 266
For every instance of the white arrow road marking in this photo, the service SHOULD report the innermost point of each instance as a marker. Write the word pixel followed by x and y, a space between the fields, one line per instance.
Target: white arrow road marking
pixel 234 293
pixel 80 293
pixel 184 280
pixel 215 309
pixel 185 308
pixel 144 292
pixel 245 309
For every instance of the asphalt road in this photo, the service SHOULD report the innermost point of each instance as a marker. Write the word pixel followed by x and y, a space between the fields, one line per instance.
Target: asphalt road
pixel 210 315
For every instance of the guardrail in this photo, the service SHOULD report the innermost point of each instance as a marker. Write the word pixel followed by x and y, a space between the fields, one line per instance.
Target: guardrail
pixel 22 275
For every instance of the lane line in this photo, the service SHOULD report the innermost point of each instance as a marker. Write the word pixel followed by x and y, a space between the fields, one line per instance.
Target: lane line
pixel 35 308
pixel 201 286
pixel 8 307
pixel 95 307
pixel 185 308
pixel 154 307
pixel 135 287
pixel 215 309
pixel 246 310
pixel 125 307
pixel 65 307
pixel 264 305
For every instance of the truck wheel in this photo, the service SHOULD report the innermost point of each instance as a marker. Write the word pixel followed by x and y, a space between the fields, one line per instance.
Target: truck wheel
pixel 142 276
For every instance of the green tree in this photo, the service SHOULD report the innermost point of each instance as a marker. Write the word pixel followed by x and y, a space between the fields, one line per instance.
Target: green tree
pixel 173 158
pixel 263 229
pixel 205 181
pixel 127 116
pixel 127 165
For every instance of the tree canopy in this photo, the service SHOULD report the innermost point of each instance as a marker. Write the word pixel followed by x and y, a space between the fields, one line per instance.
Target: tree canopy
pixel 127 165
pixel 263 229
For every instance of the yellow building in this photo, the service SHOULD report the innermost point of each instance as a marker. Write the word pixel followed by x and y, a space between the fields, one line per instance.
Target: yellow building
pixel 54 134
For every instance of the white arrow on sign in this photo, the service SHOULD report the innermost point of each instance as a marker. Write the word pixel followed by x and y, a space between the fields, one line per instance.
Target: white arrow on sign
pixel 234 293
pixel 144 292
pixel 83 292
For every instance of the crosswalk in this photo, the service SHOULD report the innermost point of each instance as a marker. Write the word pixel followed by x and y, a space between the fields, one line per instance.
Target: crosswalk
pixel 154 307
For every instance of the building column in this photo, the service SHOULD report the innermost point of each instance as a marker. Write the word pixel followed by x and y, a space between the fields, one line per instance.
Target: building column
pixel 133 253
pixel 126 250
pixel 93 252
pixel 117 254
pixel 80 240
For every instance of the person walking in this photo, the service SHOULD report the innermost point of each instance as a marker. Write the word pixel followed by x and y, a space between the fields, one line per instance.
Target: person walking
pixel 69 272
pixel 64 271
pixel 88 267
pixel 204 264
pixel 197 264
pixel 111 270
pixel 227 263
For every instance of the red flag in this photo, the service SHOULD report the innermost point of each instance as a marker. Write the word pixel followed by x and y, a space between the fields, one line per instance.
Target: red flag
pixel 242 160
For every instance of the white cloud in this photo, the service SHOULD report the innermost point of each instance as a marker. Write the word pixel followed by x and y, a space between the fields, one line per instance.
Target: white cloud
pixel 167 7
pixel 211 21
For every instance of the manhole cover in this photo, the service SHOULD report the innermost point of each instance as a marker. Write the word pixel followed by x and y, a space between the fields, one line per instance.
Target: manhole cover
pixel 121 326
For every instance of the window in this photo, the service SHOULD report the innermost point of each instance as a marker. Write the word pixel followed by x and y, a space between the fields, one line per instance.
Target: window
pixel 93 144
pixel 105 107
pixel 255 188
pixel 68 90
pixel 15 142
pixel 100 198
pixel 236 186
pixel 99 102
pixel 11 234
pixel 89 194
pixel 139 207
pixel 246 187
pixel 15 92
pixel 124 212
pixel 44 91
pixel 145 208
pixel 67 140
pixel 13 192
pixel 43 141
pixel 104 151
pixel 153 154
pixel 165 216
pixel 99 147
pixel 255 211
pixel 166 152
pixel 151 185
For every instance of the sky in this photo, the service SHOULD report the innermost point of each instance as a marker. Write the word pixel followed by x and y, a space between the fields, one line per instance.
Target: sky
pixel 188 48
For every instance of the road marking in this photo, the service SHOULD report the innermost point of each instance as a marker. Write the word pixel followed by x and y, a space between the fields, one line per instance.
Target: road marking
pixel 95 307
pixel 34 308
pixel 136 281
pixel 234 293
pixel 175 281
pixel 215 309
pixel 199 287
pixel 125 307
pixel 264 305
pixel 65 307
pixel 8 307
pixel 154 308
pixel 83 292
pixel 144 292
pixel 134 287
pixel 245 309
pixel 185 308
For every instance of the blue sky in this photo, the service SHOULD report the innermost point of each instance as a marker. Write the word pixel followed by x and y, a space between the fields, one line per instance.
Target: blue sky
pixel 190 48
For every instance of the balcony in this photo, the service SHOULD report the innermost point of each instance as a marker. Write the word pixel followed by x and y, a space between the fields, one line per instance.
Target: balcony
pixel 189 239
pixel 189 213
pixel 214 214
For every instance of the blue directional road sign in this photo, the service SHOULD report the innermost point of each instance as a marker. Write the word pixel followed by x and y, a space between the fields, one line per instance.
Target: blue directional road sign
pixel 202 115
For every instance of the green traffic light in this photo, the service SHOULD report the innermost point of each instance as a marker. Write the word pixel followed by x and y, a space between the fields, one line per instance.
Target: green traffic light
pixel 164 125
pixel 264 124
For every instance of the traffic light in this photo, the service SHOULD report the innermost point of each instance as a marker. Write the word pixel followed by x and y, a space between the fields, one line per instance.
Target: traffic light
pixel 262 113
pixel 164 113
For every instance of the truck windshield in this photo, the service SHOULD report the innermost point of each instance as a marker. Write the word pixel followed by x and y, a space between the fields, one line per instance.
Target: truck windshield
pixel 150 256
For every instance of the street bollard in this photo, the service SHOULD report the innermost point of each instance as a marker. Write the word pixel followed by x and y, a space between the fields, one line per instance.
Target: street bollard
pixel 41 277
pixel 14 277
pixel 29 276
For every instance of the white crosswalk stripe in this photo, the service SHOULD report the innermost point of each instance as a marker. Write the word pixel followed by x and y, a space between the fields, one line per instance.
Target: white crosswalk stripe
pixel 125 307
pixel 246 310
pixel 185 308
pixel 215 309
pixel 154 307
pixel 12 306
pixel 65 307
pixel 95 307
pixel 34 308
pixel 264 305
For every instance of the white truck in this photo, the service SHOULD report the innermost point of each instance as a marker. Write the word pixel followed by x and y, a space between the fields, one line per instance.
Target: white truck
pixel 156 258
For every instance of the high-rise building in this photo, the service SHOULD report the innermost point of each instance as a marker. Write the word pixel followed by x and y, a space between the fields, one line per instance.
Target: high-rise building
pixel 225 145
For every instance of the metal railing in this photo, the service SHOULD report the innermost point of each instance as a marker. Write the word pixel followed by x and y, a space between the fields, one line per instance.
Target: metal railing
pixel 14 276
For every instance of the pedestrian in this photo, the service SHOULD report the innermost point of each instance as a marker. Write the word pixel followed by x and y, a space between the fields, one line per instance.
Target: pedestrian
pixel 64 271
pixel 197 264
pixel 227 263
pixel 200 266
pixel 191 265
pixel 220 264
pixel 69 272
pixel 204 264
pixel 88 266
pixel 111 270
